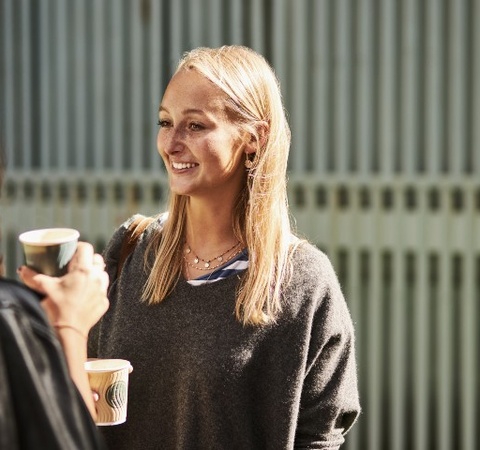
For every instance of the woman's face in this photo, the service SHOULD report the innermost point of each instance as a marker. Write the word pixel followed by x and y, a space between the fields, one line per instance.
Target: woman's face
pixel 201 148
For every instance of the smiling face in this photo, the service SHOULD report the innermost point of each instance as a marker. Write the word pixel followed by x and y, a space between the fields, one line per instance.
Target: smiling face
pixel 201 147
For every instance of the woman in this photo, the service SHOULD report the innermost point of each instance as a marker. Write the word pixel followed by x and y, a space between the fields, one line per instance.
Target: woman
pixel 238 331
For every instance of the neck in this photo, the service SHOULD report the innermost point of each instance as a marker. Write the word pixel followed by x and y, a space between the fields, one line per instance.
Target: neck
pixel 209 226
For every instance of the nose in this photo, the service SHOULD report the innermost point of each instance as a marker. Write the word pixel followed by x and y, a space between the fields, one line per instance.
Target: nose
pixel 170 141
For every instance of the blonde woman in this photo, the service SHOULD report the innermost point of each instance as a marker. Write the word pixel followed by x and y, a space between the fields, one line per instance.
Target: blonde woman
pixel 238 331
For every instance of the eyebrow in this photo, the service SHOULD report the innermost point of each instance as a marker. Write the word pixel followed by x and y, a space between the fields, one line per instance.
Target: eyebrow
pixel 186 111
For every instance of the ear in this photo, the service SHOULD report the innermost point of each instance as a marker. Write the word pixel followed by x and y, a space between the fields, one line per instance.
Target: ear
pixel 255 143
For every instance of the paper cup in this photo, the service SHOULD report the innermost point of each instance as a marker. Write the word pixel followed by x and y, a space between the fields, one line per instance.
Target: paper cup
pixel 109 378
pixel 49 250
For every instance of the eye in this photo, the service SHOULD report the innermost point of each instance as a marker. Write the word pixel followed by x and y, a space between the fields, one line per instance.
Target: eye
pixel 162 123
pixel 194 126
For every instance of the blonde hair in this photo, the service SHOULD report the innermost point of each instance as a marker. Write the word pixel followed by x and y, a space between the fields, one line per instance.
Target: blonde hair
pixel 261 219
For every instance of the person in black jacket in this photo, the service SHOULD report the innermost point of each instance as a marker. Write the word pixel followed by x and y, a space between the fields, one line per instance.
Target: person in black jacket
pixel 45 398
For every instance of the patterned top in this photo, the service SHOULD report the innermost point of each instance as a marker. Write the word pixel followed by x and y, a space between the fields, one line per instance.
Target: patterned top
pixel 236 265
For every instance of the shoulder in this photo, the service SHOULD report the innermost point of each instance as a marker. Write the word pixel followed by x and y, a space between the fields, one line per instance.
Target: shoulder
pixel 309 262
pixel 147 225
pixel 314 284
pixel 151 223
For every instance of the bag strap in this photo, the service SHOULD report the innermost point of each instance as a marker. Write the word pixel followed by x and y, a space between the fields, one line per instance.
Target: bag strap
pixel 135 229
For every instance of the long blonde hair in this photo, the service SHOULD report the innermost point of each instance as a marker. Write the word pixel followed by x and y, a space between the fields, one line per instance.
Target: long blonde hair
pixel 261 219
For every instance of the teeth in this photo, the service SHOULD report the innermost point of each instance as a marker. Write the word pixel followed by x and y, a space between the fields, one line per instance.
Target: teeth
pixel 183 165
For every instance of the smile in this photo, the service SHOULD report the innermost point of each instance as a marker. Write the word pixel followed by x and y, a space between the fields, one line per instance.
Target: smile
pixel 176 165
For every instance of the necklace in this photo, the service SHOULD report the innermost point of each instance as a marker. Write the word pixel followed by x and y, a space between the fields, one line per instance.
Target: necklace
pixel 211 267
pixel 207 262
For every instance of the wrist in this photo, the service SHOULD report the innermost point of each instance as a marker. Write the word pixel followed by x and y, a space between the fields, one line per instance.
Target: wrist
pixel 61 326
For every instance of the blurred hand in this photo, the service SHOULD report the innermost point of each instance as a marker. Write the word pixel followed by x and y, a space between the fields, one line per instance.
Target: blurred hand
pixel 78 298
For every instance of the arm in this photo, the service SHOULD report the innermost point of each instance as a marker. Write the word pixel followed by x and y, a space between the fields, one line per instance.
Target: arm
pixel 74 303
pixel 330 402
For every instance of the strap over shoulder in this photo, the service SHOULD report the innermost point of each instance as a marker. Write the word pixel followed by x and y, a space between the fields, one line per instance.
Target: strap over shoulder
pixel 135 229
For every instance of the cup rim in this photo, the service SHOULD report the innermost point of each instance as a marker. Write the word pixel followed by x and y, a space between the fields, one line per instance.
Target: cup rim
pixel 114 364
pixel 31 237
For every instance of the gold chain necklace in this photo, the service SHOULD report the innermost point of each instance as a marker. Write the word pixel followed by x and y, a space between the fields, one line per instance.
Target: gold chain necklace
pixel 207 262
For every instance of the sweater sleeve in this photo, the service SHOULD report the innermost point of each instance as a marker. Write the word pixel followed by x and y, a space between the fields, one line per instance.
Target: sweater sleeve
pixel 330 402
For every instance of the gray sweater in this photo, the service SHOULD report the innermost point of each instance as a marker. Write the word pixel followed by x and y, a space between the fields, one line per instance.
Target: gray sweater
pixel 201 380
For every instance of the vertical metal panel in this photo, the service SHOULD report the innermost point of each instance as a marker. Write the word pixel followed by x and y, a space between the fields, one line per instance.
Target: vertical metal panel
pixel 387 137
pixel 46 118
pixel 79 81
pixel 444 337
pixel 298 84
pixel 135 85
pixel 157 83
pixel 434 86
pixel 215 20
pixel 342 73
pixel 468 342
pixel 399 327
pixel 26 118
pixel 365 121
pixel 475 88
pixel 197 28
pixel 421 328
pixel 236 20
pixel 456 88
pixel 321 114
pixel 175 41
pixel 257 20
pixel 99 84
pixel 60 89
pixel 8 107
pixel 375 312
pixel 118 113
pixel 409 93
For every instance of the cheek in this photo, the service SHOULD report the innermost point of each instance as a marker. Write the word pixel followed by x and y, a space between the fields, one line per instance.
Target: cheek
pixel 160 143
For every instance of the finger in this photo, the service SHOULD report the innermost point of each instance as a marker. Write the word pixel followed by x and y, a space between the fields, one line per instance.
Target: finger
pixel 27 276
pixel 104 281
pixel 83 257
pixel 98 261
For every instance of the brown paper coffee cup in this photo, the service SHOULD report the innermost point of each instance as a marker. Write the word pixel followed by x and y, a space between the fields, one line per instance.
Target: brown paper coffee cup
pixel 109 378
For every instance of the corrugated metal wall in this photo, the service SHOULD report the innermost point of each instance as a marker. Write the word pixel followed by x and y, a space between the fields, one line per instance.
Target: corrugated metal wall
pixel 371 86
pixel 383 98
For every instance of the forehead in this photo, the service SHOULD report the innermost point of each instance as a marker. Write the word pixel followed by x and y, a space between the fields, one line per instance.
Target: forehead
pixel 188 89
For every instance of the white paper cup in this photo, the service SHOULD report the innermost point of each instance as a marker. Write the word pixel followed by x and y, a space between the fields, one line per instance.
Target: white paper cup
pixel 49 250
pixel 109 378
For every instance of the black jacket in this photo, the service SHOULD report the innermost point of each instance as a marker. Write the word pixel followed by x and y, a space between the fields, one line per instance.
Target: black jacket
pixel 40 407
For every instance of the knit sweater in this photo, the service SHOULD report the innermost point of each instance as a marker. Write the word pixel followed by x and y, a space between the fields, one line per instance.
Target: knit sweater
pixel 202 380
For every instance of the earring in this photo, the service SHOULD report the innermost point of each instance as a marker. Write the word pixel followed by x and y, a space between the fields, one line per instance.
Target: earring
pixel 248 164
